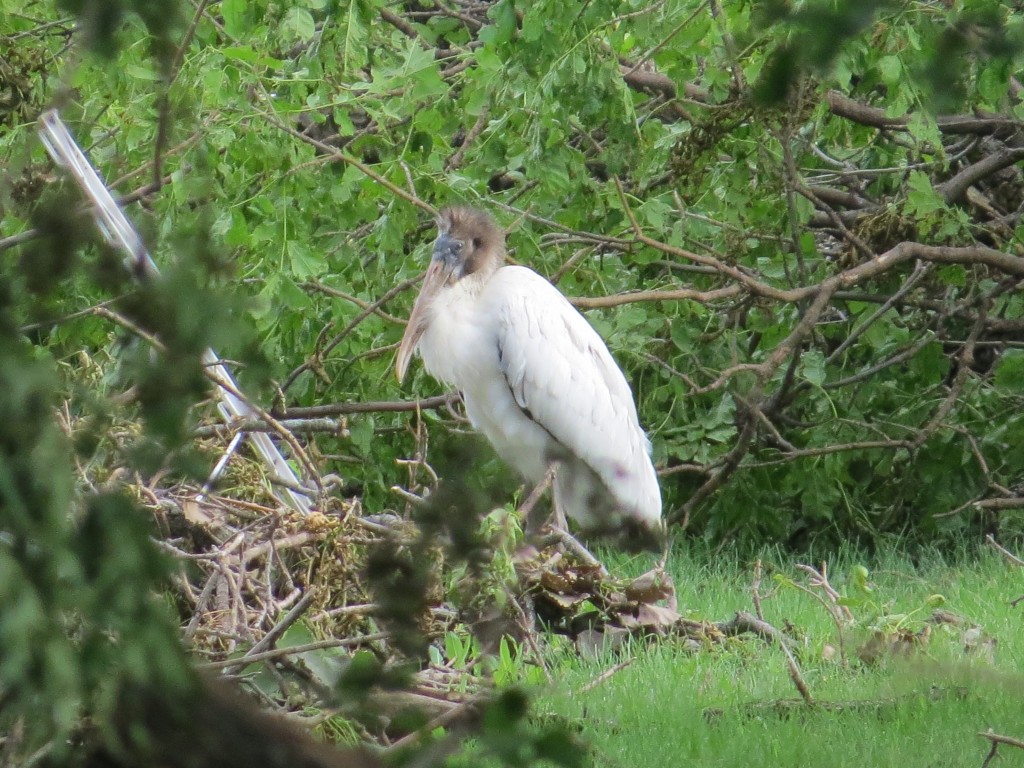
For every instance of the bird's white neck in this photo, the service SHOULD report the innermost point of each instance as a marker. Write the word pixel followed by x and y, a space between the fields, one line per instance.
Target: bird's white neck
pixel 453 343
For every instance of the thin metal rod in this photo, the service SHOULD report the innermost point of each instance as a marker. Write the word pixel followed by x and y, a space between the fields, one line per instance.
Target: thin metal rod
pixel 119 232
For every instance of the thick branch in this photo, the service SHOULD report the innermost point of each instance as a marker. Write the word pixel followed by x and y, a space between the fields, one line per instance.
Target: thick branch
pixel 955 188
pixel 843 106
pixel 677 294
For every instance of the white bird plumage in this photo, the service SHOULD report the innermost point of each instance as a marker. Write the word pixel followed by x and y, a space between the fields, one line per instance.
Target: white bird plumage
pixel 536 379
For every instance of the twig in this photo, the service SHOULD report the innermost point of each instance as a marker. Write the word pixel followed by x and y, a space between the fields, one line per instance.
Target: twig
pixel 843 106
pixel 636 297
pixel 531 640
pixel 744 622
pixel 573 545
pixel 409 496
pixel 350 610
pixel 819 578
pixel 399 23
pixel 755 589
pixel 277 653
pixel 268 640
pixel 336 154
pixel 839 613
pixel 457 157
pixel 464 709
pixel 1004 552
pixel 825 450
pixel 373 306
pixel 608 673
pixel 955 188
pixel 320 352
pixel 1013 502
pixel 201 603
pixel 275 545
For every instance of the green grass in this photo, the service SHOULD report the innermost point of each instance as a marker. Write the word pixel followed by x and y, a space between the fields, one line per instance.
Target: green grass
pixel 920 711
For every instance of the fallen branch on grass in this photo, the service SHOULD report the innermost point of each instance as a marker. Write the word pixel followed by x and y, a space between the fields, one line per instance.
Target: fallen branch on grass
pixel 996 740
pixel 747 622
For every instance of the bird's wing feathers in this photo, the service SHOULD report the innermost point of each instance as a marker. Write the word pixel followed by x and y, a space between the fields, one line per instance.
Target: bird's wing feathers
pixel 563 376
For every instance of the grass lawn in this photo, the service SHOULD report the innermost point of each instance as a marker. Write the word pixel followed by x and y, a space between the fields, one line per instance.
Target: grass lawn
pixel 675 707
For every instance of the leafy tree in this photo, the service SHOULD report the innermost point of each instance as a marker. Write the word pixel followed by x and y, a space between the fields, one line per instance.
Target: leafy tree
pixel 797 227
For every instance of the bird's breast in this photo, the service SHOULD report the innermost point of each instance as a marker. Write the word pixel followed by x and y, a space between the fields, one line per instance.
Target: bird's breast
pixel 460 346
pixel 456 346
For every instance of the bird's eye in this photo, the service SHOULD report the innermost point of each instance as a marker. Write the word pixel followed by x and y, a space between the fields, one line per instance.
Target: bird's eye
pixel 477 242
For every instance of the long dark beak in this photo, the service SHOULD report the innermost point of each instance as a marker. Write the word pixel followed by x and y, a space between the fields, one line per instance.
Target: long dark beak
pixel 438 274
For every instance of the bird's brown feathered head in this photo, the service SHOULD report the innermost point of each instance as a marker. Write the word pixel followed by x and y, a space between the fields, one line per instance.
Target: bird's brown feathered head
pixel 469 246
pixel 469 242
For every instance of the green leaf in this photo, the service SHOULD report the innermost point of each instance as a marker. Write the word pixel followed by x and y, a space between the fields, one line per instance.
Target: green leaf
pixel 682 336
pixel 361 433
pixel 1009 372
pixel 234 14
pixel 953 274
pixel 504 15
pixel 890 68
pixel 354 20
pixel 298 25
pixel 143 72
pixel 421 74
pixel 813 366
pixel 923 200
pixel 930 363
pixel 303 261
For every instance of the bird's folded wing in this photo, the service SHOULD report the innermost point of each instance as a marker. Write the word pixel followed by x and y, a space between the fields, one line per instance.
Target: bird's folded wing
pixel 562 374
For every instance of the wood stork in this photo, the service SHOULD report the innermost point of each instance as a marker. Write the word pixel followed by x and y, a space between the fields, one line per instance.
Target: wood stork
pixel 536 379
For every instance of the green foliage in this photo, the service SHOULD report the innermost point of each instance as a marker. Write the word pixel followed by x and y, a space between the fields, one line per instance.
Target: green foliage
pixel 513 669
pixel 462 652
pixel 506 737
pixel 946 49
pixel 705 127
pixel 78 620
pixel 562 124
pixel 528 107
pixel 102 22
pixel 83 631
pixel 812 36
pixel 871 610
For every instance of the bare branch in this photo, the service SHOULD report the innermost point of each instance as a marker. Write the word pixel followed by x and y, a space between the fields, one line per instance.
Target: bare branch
pixel 379 406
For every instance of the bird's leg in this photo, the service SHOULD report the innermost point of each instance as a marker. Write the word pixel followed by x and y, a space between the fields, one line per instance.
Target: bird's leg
pixel 532 521
pixel 557 519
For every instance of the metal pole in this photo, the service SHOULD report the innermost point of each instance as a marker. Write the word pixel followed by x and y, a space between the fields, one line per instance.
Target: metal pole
pixel 120 233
